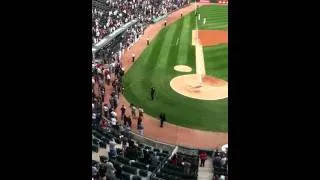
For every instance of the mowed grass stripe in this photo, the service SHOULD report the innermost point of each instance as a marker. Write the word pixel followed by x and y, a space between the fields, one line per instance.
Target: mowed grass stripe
pixel 185 42
pixel 168 43
pixel 215 58
pixel 154 62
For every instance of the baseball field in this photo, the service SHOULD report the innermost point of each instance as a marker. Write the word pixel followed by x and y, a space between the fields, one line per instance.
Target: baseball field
pixel 182 43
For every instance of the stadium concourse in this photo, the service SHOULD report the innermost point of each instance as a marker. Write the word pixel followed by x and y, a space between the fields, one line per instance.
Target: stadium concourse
pixel 116 153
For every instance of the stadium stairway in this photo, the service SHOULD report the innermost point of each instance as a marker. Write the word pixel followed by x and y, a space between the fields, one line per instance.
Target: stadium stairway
pixel 206 172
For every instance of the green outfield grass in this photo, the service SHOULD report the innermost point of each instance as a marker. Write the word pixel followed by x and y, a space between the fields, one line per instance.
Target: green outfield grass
pixel 155 66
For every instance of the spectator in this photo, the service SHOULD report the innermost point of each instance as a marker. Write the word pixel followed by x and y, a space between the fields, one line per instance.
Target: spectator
pixel 174 160
pixel 123 112
pixel 110 170
pixel 186 166
pixel 112 151
pixel 223 160
pixel 133 111
pixel 102 170
pixel 113 122
pixel 106 110
pixel 118 171
pixel 140 111
pixel 140 128
pixel 113 113
pixel 154 160
pixel 203 158
pixel 95 171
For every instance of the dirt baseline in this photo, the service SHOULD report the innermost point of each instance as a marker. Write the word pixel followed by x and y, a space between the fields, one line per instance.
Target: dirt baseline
pixel 209 37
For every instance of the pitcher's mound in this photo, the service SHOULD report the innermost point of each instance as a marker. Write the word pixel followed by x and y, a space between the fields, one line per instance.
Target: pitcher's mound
pixel 210 88
pixel 182 68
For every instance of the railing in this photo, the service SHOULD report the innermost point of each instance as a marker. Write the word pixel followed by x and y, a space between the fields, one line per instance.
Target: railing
pixel 111 36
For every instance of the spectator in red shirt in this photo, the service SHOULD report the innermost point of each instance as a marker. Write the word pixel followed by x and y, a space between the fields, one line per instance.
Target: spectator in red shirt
pixel 103 124
pixel 203 158
pixel 174 160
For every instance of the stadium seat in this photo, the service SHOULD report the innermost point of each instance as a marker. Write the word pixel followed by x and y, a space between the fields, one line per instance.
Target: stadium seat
pixel 141 145
pixel 102 145
pixel 155 178
pixel 156 150
pixel 152 168
pixel 136 178
pixel 139 165
pixel 103 159
pixel 143 173
pixel 165 152
pixel 123 160
pixel 95 148
pixel 126 176
pixel 128 169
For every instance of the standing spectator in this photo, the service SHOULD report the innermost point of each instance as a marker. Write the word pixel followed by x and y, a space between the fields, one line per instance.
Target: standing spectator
pixel 203 158
pixel 133 111
pixel 110 170
pixel 123 112
pixel 114 122
pixel 95 171
pixel 140 126
pixel 102 170
pixel 174 159
pixel 94 119
pixel 129 122
pixel 106 110
pixel 223 160
pixel 154 159
pixel 186 165
pixel 140 111
pixel 113 113
pixel 112 147
pixel 118 171
pixel 108 79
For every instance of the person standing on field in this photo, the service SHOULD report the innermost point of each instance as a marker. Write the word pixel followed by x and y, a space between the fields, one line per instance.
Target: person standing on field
pixel 133 57
pixel 153 91
pixel 162 119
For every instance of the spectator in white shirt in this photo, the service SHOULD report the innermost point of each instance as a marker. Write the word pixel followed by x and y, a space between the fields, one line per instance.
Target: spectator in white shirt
pixel 106 110
pixel 113 121
pixel 112 146
pixel 94 172
pixel 113 114
pixel 223 160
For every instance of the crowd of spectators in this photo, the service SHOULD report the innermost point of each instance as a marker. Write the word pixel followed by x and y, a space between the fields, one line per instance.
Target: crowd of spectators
pixel 119 12
pixel 220 165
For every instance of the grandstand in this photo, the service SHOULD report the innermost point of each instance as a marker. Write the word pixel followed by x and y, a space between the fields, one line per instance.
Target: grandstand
pixel 118 152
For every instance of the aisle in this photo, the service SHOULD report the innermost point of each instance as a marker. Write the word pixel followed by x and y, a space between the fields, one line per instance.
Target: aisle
pixel 206 172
